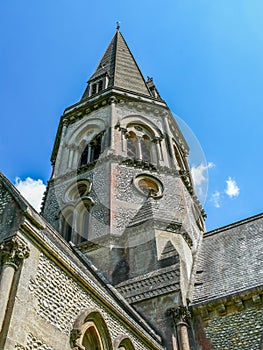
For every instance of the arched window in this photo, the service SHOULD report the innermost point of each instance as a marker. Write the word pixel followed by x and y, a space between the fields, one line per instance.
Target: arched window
pixel 139 143
pixel 132 145
pixel 125 344
pixel 94 333
pixel 83 219
pixel 75 217
pixel 67 224
pixel 146 148
pixel 92 151
pixel 91 339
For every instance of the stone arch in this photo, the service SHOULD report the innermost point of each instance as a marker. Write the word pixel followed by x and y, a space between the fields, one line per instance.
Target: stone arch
pixel 83 129
pixel 90 332
pixel 78 139
pixel 141 137
pixel 143 121
pixel 123 343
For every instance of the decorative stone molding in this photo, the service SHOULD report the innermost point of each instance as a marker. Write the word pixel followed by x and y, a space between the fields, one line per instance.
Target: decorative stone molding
pixel 75 334
pixel 154 284
pixel 179 313
pixel 228 305
pixel 13 251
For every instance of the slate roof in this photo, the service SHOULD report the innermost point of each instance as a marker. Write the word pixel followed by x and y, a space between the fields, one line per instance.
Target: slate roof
pixel 121 68
pixel 231 260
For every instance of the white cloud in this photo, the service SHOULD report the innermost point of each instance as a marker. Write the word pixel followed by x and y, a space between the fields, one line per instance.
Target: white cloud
pixel 199 173
pixel 200 179
pixel 232 189
pixel 215 199
pixel 32 190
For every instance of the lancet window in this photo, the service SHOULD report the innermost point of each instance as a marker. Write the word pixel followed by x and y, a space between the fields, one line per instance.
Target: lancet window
pixel 94 334
pixel 92 339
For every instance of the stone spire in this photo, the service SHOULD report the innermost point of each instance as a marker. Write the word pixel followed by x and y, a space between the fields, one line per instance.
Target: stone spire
pixel 117 69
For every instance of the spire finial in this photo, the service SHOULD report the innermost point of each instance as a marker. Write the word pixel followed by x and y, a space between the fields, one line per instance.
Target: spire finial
pixel 118 25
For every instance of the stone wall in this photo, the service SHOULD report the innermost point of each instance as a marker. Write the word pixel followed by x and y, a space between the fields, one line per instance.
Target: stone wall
pixel 238 331
pixel 48 303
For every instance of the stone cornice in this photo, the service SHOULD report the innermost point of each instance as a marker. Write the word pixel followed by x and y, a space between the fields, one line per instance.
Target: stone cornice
pixel 119 93
pixel 155 283
pixel 229 303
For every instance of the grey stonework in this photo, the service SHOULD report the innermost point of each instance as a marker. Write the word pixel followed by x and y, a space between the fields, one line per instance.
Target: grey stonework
pixel 53 286
pixel 138 271
pixel 237 331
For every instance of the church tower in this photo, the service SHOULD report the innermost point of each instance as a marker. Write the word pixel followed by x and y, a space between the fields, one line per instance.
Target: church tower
pixel 121 190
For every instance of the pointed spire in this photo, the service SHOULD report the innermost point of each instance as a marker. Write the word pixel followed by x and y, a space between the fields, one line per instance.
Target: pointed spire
pixel 118 69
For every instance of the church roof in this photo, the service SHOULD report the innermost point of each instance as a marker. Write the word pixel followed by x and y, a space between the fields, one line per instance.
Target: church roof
pixel 230 260
pixel 119 65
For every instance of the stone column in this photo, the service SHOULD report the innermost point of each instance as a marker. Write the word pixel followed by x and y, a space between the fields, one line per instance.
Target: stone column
pixel 13 251
pixel 181 315
pixel 113 122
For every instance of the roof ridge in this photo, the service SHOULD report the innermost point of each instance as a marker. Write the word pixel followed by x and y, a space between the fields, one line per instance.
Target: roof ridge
pixel 234 224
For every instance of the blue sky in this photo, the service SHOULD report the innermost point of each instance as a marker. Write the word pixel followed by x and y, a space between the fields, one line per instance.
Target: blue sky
pixel 206 58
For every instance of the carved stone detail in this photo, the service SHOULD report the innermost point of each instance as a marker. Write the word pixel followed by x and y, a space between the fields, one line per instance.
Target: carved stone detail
pixel 75 334
pixel 13 251
pixel 179 313
pixel 153 284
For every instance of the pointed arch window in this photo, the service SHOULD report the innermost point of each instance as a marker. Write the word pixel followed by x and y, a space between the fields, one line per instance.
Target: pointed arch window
pixel 92 339
pixel 94 333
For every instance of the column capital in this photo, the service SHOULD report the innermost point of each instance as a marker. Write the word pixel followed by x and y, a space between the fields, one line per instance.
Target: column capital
pixel 180 314
pixel 13 250
pixel 75 335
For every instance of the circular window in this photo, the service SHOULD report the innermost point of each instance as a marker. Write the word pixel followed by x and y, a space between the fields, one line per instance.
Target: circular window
pixel 148 185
